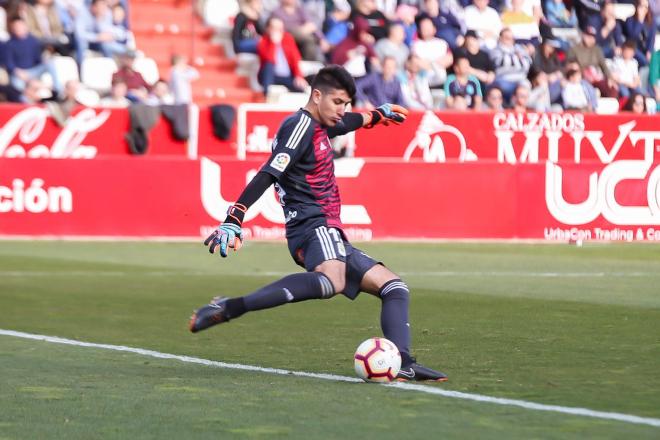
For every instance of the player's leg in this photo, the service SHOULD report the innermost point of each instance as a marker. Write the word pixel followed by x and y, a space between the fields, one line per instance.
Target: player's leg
pixel 395 296
pixel 322 258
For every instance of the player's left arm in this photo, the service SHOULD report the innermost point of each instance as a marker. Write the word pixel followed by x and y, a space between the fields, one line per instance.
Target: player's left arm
pixel 386 114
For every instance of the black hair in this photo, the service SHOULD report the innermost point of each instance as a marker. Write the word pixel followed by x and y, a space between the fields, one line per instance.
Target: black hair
pixel 334 77
pixel 629 44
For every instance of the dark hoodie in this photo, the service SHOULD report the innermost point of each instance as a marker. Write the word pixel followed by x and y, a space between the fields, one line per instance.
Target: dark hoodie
pixel 352 41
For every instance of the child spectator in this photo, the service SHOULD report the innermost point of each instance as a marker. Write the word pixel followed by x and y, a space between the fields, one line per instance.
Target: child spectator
pixel 181 76
pixel 462 83
pixel 592 63
pixel 625 70
pixel 117 97
pixel 577 93
pixel 160 95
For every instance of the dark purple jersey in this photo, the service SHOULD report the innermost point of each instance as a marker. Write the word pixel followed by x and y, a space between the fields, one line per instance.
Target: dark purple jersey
pixel 302 163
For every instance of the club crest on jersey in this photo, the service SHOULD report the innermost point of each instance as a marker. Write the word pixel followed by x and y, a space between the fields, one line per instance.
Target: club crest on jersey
pixel 280 161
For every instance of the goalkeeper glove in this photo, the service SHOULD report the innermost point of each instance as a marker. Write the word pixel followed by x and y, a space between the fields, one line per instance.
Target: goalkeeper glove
pixel 229 233
pixel 385 114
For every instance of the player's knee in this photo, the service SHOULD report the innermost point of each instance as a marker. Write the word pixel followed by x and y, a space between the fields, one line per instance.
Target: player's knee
pixel 395 288
pixel 335 271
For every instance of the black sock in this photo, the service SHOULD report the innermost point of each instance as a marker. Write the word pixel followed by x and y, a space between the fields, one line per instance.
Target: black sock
pixel 394 317
pixel 292 288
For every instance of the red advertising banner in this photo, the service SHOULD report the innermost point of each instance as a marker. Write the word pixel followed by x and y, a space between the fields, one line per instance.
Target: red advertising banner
pixel 185 198
pixel 30 132
pixel 503 137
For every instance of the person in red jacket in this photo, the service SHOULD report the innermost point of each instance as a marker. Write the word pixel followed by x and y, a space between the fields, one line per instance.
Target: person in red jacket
pixel 280 58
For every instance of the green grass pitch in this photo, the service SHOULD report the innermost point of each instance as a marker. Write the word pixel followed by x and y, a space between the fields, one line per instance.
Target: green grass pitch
pixel 552 324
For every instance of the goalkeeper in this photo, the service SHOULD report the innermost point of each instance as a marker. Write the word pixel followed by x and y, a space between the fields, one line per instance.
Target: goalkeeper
pixel 302 169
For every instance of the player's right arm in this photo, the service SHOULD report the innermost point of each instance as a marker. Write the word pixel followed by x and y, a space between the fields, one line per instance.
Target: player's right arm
pixel 291 140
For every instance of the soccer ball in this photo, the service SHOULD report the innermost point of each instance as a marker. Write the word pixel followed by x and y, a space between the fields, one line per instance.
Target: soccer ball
pixel 377 360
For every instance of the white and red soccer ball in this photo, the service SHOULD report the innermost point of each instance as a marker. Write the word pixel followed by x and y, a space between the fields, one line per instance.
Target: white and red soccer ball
pixel 377 360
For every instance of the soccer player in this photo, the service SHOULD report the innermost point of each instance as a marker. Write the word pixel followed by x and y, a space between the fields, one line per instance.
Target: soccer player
pixel 302 169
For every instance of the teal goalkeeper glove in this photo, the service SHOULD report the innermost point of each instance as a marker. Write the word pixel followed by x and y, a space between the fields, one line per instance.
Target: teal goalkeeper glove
pixel 386 114
pixel 229 234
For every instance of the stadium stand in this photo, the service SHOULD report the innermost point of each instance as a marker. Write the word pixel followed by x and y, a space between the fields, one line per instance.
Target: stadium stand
pixel 203 32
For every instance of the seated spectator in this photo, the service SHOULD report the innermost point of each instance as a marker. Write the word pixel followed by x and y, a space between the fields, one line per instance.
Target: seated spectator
pixel 35 92
pixel 247 27
pixel 337 26
pixel 462 83
pixel 356 53
pixel 447 26
pixel 587 11
pixel 459 103
pixel 520 98
pixel 485 21
pixel 138 88
pixel 67 11
pixel 640 27
pixel 380 87
pixel 654 77
pixel 95 30
pixel 406 15
pixel 481 65
pixel 23 57
pixel 610 32
pixel 494 99
pixel 160 94
pixel 433 52
pixel 415 85
pixel 182 75
pixel 577 93
pixel 625 70
pixel 44 23
pixel 308 36
pixel 512 62
pixel 547 61
pixel 524 27
pixel 280 58
pixel 378 22
pixel 394 46
pixel 117 97
pixel 592 63
pixel 540 97
pixel 636 103
pixel 315 10
pixel 558 15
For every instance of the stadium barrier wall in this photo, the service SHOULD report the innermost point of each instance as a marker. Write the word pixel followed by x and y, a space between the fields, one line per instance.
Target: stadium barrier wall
pixel 174 197
pixel 576 177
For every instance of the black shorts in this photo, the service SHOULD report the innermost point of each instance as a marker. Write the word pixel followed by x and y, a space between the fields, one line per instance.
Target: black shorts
pixel 323 244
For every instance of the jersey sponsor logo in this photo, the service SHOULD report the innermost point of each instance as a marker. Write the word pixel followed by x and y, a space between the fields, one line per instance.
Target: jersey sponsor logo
pixel 298 132
pixel 323 146
pixel 280 161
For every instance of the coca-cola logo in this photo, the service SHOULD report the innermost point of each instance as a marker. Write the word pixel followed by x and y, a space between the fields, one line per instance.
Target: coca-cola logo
pixel 26 127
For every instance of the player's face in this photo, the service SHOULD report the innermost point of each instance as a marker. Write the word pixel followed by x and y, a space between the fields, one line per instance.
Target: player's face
pixel 331 106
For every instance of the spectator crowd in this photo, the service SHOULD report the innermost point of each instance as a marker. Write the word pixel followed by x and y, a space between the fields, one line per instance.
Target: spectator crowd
pixel 36 34
pixel 538 55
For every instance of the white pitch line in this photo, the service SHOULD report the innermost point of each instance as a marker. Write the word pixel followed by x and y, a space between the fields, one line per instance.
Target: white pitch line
pixel 404 386
pixel 159 273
